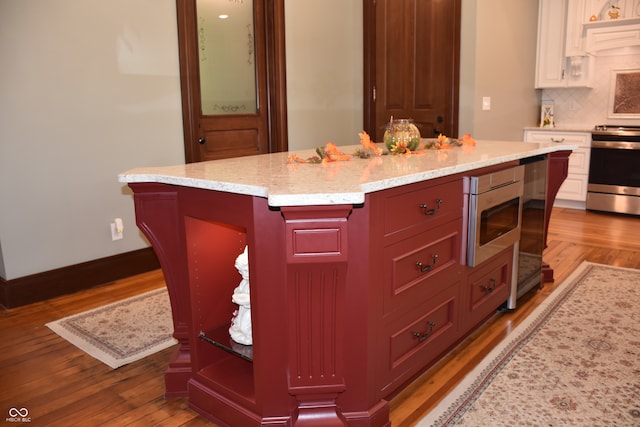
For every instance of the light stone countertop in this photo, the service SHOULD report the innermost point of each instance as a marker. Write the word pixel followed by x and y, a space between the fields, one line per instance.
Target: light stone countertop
pixel 340 182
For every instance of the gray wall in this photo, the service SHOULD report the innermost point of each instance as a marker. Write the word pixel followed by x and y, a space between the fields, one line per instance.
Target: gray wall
pixel 498 57
pixel 90 88
pixel 321 58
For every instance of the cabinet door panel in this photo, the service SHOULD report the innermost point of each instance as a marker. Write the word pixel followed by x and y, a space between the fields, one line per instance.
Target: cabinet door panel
pixel 574 188
pixel 551 35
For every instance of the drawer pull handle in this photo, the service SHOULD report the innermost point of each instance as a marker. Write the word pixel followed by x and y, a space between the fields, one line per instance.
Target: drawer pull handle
pixel 423 206
pixel 425 268
pixel 425 335
pixel 489 289
pixel 557 140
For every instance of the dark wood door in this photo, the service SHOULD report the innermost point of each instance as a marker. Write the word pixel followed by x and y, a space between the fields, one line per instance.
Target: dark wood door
pixel 213 128
pixel 412 54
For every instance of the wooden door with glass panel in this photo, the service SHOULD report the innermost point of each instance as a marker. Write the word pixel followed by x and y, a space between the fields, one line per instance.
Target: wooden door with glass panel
pixel 226 88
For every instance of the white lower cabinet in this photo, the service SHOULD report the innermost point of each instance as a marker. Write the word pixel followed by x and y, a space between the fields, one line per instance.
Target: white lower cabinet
pixel 573 191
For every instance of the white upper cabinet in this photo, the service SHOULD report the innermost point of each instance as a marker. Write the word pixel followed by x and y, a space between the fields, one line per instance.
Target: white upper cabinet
pixel 550 53
pixel 561 57
pixel 578 13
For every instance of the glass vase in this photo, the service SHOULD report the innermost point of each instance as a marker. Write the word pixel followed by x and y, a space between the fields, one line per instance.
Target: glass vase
pixel 402 133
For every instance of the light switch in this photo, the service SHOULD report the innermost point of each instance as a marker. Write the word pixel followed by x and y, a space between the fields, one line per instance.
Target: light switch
pixel 486 103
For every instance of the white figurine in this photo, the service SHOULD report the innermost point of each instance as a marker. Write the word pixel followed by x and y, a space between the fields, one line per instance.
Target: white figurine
pixel 240 329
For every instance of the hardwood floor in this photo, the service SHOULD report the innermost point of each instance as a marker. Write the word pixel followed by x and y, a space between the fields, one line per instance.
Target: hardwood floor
pixel 61 385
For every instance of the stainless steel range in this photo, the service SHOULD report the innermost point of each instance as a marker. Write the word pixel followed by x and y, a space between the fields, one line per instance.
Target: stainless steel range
pixel 614 171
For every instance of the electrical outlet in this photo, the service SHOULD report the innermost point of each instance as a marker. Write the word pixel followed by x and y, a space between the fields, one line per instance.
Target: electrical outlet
pixel 117 229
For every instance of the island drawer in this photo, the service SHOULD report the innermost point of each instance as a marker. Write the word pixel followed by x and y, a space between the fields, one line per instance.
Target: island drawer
pixel 419 267
pixel 416 339
pixel 424 205
pixel 488 287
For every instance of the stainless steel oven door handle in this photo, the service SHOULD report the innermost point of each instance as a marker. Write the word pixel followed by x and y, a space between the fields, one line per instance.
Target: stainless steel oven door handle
pixel 616 145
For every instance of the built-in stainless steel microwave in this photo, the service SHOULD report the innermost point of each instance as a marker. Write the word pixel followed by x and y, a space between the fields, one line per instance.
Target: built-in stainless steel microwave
pixel 495 213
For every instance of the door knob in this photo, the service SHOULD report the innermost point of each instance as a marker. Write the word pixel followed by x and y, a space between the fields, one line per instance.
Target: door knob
pixel 202 140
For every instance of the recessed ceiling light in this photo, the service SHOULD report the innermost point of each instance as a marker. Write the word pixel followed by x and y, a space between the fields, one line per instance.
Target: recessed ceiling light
pixel 223 16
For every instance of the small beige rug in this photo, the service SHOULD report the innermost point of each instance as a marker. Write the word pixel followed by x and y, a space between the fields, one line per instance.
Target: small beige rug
pixel 122 332
pixel 574 362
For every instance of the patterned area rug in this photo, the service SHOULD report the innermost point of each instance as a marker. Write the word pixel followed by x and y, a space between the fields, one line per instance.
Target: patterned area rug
pixel 122 332
pixel 574 362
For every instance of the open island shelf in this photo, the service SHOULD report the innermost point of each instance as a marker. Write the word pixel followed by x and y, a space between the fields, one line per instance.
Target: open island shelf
pixel 220 338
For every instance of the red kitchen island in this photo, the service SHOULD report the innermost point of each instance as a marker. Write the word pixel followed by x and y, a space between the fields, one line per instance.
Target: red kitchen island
pixel 358 276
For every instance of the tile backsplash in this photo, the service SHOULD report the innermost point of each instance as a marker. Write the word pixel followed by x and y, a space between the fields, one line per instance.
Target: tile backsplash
pixel 587 107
